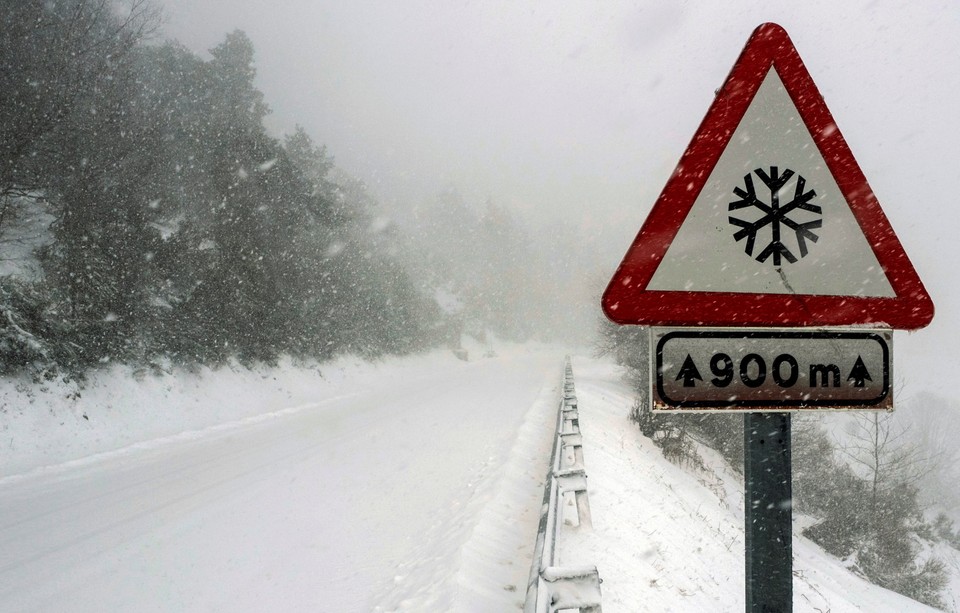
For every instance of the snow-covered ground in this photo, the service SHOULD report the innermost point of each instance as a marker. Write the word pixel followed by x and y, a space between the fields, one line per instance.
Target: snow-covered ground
pixel 409 485
pixel 670 538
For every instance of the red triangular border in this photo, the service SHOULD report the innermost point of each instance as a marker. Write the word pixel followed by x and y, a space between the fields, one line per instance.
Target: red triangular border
pixel 626 299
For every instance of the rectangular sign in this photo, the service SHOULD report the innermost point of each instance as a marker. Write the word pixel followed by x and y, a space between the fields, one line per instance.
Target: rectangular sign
pixel 765 369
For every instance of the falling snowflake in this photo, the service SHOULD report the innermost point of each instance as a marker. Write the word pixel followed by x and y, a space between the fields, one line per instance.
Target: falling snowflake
pixel 775 215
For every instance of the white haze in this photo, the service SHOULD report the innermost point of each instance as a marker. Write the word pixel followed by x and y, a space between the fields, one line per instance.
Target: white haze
pixel 580 110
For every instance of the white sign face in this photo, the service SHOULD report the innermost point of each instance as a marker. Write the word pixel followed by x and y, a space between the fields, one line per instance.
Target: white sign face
pixel 754 369
pixel 770 218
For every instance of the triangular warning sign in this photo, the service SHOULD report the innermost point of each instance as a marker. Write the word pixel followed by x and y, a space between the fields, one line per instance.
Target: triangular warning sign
pixel 768 219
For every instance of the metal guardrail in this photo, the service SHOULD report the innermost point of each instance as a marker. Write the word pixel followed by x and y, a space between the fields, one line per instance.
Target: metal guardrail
pixel 552 587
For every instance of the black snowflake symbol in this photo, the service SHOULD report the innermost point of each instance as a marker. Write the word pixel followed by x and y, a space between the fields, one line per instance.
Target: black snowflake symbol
pixel 775 214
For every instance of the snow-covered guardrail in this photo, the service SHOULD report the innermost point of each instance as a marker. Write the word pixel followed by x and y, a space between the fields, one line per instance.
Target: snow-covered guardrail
pixel 553 587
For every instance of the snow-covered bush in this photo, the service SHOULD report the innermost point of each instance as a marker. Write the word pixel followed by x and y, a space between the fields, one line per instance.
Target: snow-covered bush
pixel 21 319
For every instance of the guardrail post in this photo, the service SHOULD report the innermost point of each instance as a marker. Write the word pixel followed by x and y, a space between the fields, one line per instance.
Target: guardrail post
pixel 573 588
pixel 573 442
pixel 575 481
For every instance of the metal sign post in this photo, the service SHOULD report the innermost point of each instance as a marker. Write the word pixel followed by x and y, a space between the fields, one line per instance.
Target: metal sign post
pixel 767 512
pixel 769 234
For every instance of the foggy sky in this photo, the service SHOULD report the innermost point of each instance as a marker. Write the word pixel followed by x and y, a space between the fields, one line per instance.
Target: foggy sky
pixel 580 110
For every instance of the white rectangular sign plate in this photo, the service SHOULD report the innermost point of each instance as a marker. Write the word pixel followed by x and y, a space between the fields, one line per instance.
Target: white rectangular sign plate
pixel 765 369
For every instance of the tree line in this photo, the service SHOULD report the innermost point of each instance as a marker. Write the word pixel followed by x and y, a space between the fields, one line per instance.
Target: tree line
pixel 178 227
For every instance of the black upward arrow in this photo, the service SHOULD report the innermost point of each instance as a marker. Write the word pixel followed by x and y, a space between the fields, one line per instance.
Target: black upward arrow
pixel 860 375
pixel 688 372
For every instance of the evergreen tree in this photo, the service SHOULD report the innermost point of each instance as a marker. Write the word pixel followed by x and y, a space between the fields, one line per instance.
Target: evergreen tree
pixel 100 259
pixel 181 227
pixel 238 304
pixel 52 56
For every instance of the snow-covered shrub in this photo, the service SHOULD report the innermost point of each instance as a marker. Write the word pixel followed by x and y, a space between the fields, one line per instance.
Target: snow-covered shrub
pixel 22 324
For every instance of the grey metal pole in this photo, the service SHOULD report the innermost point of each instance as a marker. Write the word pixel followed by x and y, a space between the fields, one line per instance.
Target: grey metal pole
pixel 768 513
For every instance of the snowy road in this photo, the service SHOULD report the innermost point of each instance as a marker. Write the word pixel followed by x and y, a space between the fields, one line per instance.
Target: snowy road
pixel 358 502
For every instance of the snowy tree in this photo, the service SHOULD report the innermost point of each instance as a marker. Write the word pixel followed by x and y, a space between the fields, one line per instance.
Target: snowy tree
pixel 890 465
pixel 101 257
pixel 66 82
pixel 180 226
pixel 53 55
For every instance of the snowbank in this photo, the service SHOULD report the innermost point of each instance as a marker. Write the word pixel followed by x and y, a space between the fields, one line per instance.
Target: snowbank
pixel 668 538
pixel 60 421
